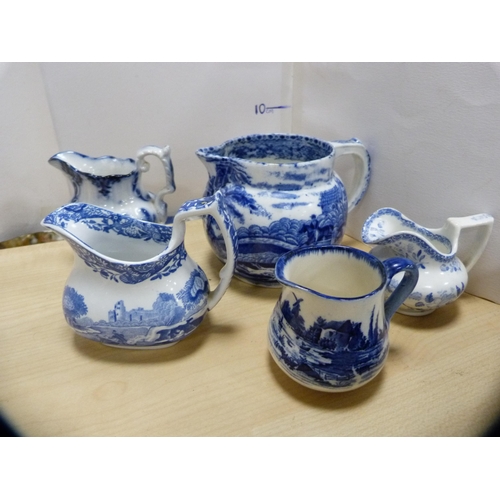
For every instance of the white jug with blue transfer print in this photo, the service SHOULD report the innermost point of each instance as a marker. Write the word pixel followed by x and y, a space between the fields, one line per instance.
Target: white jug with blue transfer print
pixel 329 329
pixel 443 275
pixel 115 183
pixel 133 284
pixel 282 193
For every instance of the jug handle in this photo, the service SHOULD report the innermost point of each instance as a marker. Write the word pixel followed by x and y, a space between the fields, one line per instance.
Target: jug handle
pixel 454 226
pixel 211 205
pixel 394 266
pixel 143 166
pixel 362 168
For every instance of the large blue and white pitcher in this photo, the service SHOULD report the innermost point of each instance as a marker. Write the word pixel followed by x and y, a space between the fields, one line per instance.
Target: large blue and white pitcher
pixel 282 193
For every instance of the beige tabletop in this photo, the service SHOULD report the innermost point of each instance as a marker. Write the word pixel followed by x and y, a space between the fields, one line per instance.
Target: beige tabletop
pixel 442 376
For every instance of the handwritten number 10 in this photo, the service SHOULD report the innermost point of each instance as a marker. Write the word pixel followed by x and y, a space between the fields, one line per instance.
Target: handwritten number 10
pixel 260 109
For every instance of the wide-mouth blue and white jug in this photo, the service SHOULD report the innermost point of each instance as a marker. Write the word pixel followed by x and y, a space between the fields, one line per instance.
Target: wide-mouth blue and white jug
pixel 282 193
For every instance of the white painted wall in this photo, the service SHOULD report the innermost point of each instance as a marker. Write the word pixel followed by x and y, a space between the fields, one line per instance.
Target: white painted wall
pixel 432 130
pixel 27 139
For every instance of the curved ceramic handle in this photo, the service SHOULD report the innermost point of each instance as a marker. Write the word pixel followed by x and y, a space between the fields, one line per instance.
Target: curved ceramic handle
pixel 455 224
pixel 211 205
pixel 406 285
pixel 143 166
pixel 363 170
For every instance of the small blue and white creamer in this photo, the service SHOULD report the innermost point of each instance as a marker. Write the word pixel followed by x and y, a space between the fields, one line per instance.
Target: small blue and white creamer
pixel 443 275
pixel 329 328
pixel 115 183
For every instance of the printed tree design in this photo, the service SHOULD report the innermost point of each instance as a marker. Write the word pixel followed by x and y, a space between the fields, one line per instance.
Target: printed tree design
pixel 328 226
pixel 73 303
pixel 194 291
pixel 237 196
pixel 165 306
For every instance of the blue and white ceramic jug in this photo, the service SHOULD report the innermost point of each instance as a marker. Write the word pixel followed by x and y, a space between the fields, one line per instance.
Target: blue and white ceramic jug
pixel 329 328
pixel 115 183
pixel 443 275
pixel 282 193
pixel 133 283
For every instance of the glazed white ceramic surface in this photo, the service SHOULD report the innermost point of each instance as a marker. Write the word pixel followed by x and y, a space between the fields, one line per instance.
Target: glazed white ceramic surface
pixel 282 193
pixel 329 328
pixel 133 284
pixel 115 183
pixel 442 275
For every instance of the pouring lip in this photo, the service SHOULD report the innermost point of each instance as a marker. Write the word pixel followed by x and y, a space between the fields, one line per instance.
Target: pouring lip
pixel 46 222
pixel 412 230
pixel 371 260
pixel 124 161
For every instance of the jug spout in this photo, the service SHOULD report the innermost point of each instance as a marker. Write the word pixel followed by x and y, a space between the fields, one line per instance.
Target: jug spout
pixel 71 162
pixel 112 244
pixel 389 227
pixel 219 168
pixel 210 157
pixel 64 162
pixel 210 153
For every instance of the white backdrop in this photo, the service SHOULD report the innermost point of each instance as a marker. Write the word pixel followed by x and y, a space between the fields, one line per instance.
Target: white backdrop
pixel 432 130
pixel 27 140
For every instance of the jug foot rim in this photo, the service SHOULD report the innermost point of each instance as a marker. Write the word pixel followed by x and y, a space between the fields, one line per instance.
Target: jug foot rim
pixel 141 347
pixel 415 313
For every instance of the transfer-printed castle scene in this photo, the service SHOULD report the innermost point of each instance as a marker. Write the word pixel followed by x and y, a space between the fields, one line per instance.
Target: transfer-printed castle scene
pixel 169 319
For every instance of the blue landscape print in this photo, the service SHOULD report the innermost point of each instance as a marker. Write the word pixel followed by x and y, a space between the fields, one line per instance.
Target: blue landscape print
pixel 260 246
pixel 163 324
pixel 329 354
